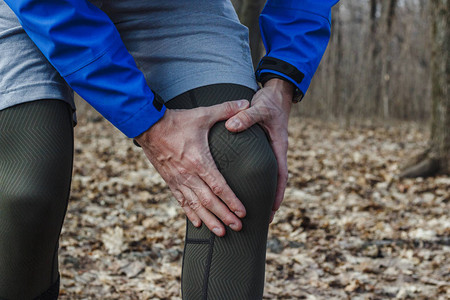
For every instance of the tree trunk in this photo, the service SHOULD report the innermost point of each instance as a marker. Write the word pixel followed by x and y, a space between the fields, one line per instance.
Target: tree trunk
pixel 440 76
pixel 438 156
pixel 373 80
pixel 388 16
pixel 337 105
pixel 237 6
pixel 248 12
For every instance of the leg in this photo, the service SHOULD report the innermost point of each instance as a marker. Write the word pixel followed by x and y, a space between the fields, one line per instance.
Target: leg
pixel 187 50
pixel 231 267
pixel 36 152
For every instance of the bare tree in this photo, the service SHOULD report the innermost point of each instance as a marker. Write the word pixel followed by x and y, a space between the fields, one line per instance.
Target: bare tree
pixel 437 157
pixel 388 16
pixel 337 58
pixel 372 81
pixel 248 12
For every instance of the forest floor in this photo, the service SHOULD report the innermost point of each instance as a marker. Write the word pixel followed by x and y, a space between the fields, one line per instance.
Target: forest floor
pixel 348 228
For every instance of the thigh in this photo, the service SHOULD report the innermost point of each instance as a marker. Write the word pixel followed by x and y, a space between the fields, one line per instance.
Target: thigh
pixel 25 74
pixel 181 45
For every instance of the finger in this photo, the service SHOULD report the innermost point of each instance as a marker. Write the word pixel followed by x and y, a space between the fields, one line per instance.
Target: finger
pixel 281 188
pixel 206 216
pixel 272 215
pixel 212 203
pixel 280 151
pixel 225 110
pixel 190 214
pixel 219 187
pixel 244 119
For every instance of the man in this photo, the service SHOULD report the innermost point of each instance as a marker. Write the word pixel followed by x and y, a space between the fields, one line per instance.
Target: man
pixel 195 57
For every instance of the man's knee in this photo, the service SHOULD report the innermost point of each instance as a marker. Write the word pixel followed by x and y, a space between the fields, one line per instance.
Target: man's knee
pixel 247 162
pixel 247 153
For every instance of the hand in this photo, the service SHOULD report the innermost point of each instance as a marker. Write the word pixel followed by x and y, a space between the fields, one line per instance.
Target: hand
pixel 270 108
pixel 177 145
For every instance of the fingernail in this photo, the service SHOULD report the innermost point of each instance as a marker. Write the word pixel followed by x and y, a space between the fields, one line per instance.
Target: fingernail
pixel 242 104
pixel 235 123
pixel 234 226
pixel 216 230
pixel 239 213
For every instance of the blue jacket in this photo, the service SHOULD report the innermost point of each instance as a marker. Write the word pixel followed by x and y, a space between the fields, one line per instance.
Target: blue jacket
pixel 83 45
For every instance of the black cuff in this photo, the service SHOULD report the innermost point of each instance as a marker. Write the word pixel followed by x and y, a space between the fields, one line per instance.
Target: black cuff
pixel 158 103
pixel 264 77
pixel 278 65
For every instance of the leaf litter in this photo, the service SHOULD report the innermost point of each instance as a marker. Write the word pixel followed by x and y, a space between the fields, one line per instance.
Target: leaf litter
pixel 348 227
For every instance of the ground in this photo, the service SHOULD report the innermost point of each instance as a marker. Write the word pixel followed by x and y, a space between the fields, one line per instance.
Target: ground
pixel 348 228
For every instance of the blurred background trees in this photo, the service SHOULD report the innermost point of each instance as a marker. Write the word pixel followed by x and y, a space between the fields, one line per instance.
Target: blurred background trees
pixel 377 63
pixel 436 159
pixel 387 60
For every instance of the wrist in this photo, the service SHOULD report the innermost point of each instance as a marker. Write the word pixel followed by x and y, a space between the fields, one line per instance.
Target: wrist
pixel 297 93
pixel 284 87
pixel 151 133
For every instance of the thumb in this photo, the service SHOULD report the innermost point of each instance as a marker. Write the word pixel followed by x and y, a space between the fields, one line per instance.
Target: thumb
pixel 243 120
pixel 225 110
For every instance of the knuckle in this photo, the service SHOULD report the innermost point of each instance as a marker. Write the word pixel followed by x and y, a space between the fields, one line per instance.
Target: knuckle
pixel 229 108
pixel 179 198
pixel 197 163
pixel 217 189
pixel 265 111
pixel 195 205
pixel 229 219
pixel 183 171
pixel 247 117
pixel 206 202
pixel 181 202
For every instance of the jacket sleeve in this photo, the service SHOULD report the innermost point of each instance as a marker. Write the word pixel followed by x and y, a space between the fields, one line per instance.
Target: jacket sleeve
pixel 84 46
pixel 295 34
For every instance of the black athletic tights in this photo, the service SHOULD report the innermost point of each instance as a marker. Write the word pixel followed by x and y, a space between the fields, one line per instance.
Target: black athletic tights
pixel 36 150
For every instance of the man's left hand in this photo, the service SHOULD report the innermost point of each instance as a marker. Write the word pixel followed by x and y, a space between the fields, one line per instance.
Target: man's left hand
pixel 270 108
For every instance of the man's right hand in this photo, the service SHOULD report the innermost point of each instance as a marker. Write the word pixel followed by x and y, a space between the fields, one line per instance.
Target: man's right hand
pixel 177 146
